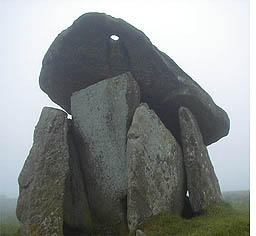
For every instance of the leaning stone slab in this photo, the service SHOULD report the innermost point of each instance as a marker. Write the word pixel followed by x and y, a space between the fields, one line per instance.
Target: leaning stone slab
pixel 85 54
pixel 46 178
pixel 202 183
pixel 156 181
pixel 102 114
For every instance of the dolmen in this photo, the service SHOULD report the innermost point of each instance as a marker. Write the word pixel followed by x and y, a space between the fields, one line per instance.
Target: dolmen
pixel 136 143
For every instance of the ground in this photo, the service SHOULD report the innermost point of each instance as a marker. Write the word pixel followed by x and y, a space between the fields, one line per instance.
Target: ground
pixel 230 218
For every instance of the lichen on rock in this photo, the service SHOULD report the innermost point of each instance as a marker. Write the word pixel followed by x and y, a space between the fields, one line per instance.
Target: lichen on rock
pixel 155 169
pixel 43 196
pixel 202 183
pixel 102 114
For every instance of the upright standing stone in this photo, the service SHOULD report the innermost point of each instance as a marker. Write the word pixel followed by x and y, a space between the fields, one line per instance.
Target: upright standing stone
pixel 44 180
pixel 77 215
pixel 155 169
pixel 202 183
pixel 102 114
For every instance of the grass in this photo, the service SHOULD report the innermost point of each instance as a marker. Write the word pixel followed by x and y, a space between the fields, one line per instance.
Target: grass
pixel 229 218
pixel 239 200
pixel 9 223
pixel 222 220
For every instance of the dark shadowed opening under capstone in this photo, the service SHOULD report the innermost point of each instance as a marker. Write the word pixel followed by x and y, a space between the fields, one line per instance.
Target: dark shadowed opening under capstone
pixel 187 212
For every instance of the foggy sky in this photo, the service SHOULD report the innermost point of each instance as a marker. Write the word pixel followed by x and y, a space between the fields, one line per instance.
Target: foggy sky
pixel 208 39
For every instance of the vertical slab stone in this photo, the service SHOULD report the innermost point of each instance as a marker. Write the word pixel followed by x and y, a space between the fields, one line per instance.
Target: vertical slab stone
pixel 44 179
pixel 77 215
pixel 202 183
pixel 102 114
pixel 155 169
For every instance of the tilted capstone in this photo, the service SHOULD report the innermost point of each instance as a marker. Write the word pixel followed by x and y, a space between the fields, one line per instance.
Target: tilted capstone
pixel 136 142
pixel 85 54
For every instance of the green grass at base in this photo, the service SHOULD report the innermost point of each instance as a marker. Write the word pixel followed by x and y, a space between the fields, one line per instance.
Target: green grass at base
pixel 231 218
pixel 239 200
pixel 9 223
pixel 9 228
pixel 222 220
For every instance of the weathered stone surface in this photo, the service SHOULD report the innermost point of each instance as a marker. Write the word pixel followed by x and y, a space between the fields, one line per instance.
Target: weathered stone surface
pixel 44 180
pixel 84 54
pixel 155 169
pixel 102 114
pixel 77 216
pixel 202 183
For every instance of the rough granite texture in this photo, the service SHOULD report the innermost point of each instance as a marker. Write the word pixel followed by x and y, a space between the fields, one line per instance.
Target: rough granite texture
pixel 202 183
pixel 44 178
pixel 77 214
pixel 84 54
pixel 102 114
pixel 156 178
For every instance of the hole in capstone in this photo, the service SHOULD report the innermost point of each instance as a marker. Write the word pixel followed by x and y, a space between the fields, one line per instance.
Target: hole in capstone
pixel 114 37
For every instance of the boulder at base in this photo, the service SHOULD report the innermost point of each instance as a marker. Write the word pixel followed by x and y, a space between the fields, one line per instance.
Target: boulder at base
pixel 155 169
pixel 45 179
pixel 85 54
pixel 140 233
pixel 102 114
pixel 202 183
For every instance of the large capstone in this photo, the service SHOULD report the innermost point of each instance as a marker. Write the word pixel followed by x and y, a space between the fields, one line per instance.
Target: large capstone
pixel 52 194
pixel 202 183
pixel 156 179
pixel 102 114
pixel 85 54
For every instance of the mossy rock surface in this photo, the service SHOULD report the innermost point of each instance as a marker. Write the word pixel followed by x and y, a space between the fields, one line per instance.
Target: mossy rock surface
pixel 156 177
pixel 102 114
pixel 49 181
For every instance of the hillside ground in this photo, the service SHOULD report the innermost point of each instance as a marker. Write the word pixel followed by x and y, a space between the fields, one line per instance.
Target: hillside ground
pixel 230 218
